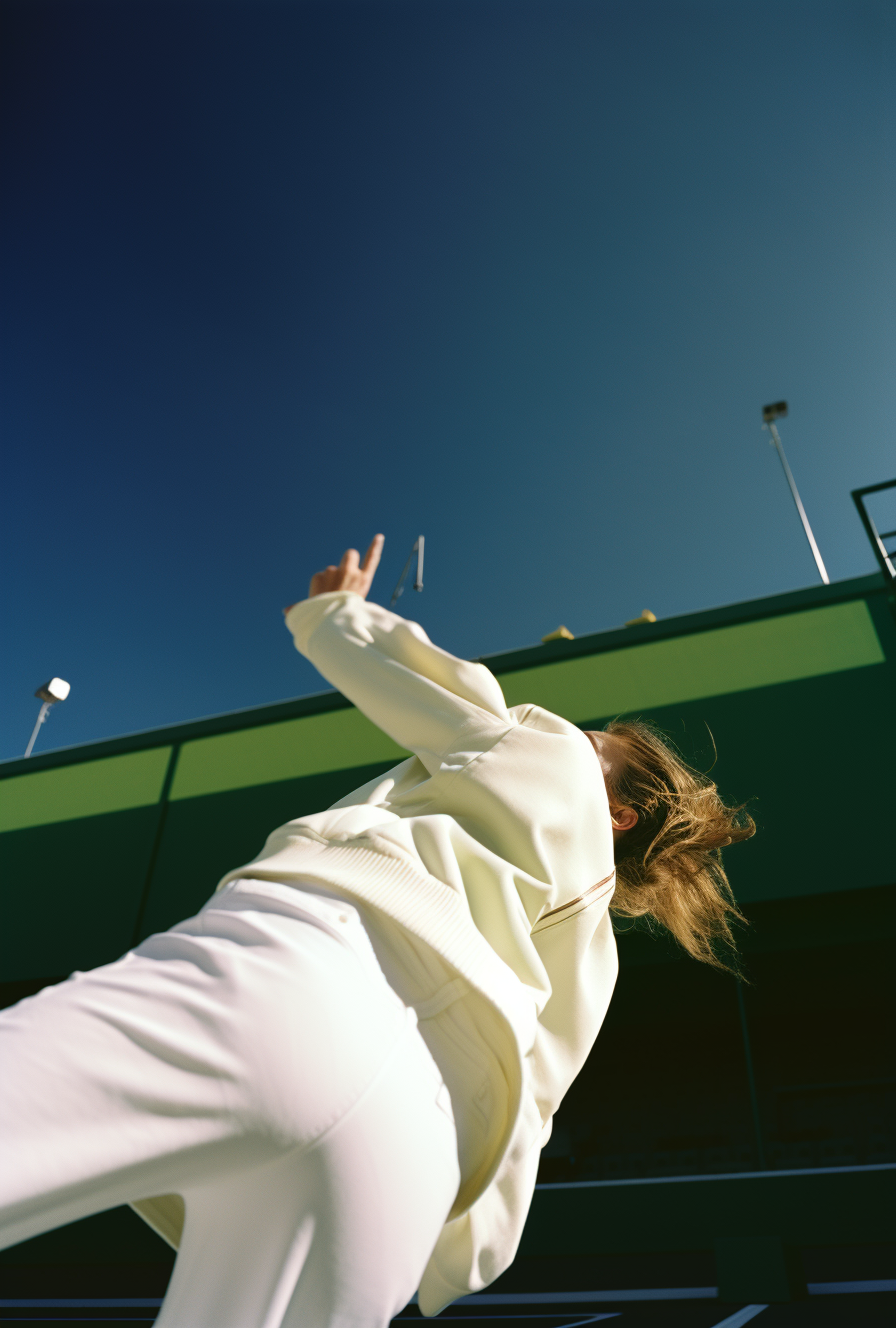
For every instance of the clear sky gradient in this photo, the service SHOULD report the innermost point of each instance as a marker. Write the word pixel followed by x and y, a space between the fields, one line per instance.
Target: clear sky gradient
pixel 516 275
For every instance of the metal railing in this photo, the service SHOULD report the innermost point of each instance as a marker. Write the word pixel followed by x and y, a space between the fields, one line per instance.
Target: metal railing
pixel 886 557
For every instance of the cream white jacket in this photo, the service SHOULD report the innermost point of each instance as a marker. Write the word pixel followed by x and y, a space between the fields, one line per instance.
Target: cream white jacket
pixel 483 866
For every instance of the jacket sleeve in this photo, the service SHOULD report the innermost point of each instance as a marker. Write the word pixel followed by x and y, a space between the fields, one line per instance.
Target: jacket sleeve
pixel 444 710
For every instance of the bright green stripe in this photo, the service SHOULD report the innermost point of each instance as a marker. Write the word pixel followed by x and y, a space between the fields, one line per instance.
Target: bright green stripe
pixel 111 785
pixel 336 740
pixel 688 668
pixel 642 677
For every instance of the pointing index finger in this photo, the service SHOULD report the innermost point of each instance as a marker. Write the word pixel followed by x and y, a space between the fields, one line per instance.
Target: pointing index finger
pixel 373 554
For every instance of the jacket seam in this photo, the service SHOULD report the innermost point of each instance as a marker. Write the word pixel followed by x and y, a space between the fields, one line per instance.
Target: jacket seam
pixel 578 899
pixel 584 909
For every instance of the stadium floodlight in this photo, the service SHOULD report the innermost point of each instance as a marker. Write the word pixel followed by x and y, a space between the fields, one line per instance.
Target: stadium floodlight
pixel 418 579
pixel 50 693
pixel 777 410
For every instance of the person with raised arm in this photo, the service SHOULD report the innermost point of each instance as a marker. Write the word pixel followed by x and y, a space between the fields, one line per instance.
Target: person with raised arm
pixel 331 1087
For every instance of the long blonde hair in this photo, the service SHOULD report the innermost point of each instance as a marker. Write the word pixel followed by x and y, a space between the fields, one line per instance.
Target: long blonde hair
pixel 669 864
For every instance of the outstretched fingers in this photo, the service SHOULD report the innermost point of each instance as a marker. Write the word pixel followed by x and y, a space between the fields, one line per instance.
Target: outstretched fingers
pixel 373 555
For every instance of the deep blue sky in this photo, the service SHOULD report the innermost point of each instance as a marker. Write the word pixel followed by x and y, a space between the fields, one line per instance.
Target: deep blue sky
pixel 517 275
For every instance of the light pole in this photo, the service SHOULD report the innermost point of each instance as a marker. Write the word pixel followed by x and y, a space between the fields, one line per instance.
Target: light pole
pixel 57 689
pixel 775 411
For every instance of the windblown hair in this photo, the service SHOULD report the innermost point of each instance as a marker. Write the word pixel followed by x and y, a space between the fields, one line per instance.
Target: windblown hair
pixel 669 864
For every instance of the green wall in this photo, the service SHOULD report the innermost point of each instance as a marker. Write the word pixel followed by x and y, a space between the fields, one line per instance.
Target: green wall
pixel 115 839
pixel 740 658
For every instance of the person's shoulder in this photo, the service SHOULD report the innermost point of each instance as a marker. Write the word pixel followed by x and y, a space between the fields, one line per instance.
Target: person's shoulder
pixel 553 734
pixel 545 721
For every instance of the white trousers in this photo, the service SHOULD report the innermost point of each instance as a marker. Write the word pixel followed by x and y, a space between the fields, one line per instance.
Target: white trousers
pixel 254 1060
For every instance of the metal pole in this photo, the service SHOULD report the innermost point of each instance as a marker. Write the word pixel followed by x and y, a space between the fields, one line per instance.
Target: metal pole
pixel 822 572
pixel 161 819
pixel 751 1078
pixel 42 714
pixel 418 580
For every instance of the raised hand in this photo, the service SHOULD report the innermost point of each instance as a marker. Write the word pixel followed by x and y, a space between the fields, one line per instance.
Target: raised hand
pixel 351 574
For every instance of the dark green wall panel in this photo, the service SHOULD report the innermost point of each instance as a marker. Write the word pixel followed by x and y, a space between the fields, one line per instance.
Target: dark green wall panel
pixel 115 1236
pixel 665 1088
pixel 808 1210
pixel 822 1053
pixel 206 837
pixel 72 891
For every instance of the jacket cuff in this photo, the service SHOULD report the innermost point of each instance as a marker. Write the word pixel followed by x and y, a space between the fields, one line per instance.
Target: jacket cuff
pixel 306 616
pixel 435 1293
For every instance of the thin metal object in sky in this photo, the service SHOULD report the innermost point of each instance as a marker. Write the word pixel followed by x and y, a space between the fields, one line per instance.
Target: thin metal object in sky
pixel 418 579
pixel 816 554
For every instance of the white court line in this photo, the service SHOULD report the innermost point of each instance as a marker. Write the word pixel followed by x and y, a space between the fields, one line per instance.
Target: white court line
pixel 710 1176
pixel 851 1288
pixel 741 1316
pixel 82 1303
pixel 655 1293
pixel 587 1297
pixel 880 1284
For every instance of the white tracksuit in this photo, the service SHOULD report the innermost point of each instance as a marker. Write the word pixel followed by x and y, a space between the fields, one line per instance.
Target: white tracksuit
pixel 252 1058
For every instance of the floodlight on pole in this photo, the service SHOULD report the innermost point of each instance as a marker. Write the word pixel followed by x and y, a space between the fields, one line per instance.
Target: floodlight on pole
pixel 418 579
pixel 777 410
pixel 51 693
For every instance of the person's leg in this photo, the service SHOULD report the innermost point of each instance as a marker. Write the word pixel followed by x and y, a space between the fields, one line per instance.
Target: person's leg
pixel 335 1234
pixel 234 1039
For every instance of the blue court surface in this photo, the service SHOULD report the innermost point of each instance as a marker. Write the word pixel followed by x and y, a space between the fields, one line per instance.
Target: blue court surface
pixel 870 1304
